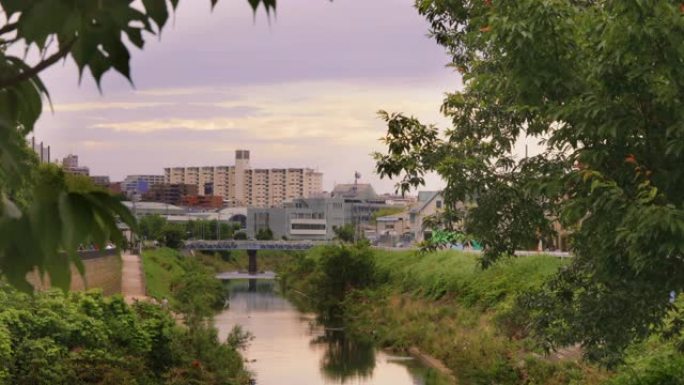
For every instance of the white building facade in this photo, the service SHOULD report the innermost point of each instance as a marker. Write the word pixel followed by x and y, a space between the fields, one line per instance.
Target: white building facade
pixel 241 185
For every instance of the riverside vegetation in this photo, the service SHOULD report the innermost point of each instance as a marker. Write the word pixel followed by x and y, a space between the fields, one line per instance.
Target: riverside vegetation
pixel 86 338
pixel 477 322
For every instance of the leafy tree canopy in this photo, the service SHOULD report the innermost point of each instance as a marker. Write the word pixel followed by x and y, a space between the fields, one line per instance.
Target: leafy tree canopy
pixel 345 233
pixel 42 221
pixel 264 234
pixel 599 85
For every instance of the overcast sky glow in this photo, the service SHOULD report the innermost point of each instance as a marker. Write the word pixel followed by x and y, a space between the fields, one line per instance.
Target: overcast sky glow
pixel 301 90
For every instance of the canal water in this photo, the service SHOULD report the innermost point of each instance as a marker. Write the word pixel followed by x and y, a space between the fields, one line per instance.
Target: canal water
pixel 289 348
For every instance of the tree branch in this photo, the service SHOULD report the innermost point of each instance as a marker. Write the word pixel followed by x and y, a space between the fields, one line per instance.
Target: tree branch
pixel 33 71
pixel 8 28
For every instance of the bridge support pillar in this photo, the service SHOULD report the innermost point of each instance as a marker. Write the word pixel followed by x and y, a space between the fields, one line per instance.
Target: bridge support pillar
pixel 252 269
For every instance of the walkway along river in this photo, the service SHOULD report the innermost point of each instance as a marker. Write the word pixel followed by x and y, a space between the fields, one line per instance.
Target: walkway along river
pixel 290 349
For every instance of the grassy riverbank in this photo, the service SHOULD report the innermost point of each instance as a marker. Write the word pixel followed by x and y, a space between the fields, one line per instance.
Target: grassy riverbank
pixel 446 306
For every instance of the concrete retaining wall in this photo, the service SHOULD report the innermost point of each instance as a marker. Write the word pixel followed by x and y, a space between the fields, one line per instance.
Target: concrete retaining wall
pixel 102 271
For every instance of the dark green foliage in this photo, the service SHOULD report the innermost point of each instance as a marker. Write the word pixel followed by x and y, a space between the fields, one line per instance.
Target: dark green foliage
pixel 47 232
pixel 345 233
pixel 85 338
pixel 599 86
pixel 172 235
pixel 329 273
pixel 264 235
pixel 197 293
pixel 152 226
pixel 665 366
pixel 240 236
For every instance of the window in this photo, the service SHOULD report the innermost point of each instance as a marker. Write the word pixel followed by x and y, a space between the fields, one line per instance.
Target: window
pixel 439 204
pixel 308 226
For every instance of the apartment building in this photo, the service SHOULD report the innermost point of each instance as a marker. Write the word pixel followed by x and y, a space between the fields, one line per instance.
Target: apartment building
pixel 241 185
pixel 140 183
pixel 172 194
pixel 70 166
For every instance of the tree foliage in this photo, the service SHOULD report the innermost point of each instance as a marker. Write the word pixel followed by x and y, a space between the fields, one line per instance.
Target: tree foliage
pixel 151 226
pixel 329 274
pixel 599 86
pixel 198 294
pixel 345 233
pixel 264 234
pixel 42 221
pixel 86 338
pixel 172 235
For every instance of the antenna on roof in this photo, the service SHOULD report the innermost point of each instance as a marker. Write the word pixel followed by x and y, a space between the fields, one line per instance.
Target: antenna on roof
pixel 357 176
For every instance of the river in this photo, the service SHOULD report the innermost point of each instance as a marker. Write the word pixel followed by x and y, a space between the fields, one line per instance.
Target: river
pixel 289 348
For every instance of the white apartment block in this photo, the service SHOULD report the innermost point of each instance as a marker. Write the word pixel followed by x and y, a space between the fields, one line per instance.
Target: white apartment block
pixel 241 185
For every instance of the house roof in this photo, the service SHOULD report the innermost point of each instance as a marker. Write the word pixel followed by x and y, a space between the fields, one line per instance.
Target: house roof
pixel 357 191
pixel 390 218
pixel 154 206
pixel 428 196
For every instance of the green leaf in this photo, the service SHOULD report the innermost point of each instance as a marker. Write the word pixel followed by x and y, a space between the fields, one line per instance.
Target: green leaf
pixel 14 6
pixel 158 11
pixel 42 19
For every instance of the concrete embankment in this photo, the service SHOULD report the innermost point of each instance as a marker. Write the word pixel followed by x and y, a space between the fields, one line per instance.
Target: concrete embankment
pixel 433 363
pixel 103 270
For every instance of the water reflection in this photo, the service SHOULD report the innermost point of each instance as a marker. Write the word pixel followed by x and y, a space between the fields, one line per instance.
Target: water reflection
pixel 289 347
pixel 345 359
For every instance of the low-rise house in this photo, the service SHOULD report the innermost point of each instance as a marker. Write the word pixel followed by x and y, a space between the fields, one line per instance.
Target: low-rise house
pixel 429 204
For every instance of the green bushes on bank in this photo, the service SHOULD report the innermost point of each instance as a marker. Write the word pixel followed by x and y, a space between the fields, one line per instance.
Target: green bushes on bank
pixel 188 283
pixel 662 367
pixel 328 273
pixel 86 338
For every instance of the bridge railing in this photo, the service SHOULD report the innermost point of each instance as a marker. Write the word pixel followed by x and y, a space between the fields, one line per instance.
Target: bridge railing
pixel 250 245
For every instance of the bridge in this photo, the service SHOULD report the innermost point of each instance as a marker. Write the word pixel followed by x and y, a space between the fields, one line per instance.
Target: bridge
pixel 251 246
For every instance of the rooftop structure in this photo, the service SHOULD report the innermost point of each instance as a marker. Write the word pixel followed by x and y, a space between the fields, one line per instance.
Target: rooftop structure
pixel 70 166
pixel 362 191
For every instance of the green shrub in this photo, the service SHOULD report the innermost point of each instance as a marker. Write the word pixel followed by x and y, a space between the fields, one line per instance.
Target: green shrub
pixel 663 365
pixel 197 293
pixel 327 274
pixel 86 338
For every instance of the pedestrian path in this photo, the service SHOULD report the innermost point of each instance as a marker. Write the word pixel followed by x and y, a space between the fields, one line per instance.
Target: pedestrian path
pixel 132 282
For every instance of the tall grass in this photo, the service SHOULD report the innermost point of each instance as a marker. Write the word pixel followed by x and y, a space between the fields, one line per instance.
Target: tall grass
pixel 447 305
pixel 458 273
pixel 161 267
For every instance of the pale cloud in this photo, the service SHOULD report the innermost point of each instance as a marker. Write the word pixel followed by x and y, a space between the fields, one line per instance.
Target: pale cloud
pixel 180 91
pixel 97 144
pixel 153 125
pixel 338 113
pixel 94 106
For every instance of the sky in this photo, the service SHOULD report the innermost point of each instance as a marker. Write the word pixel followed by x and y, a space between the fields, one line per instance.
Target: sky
pixel 301 89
